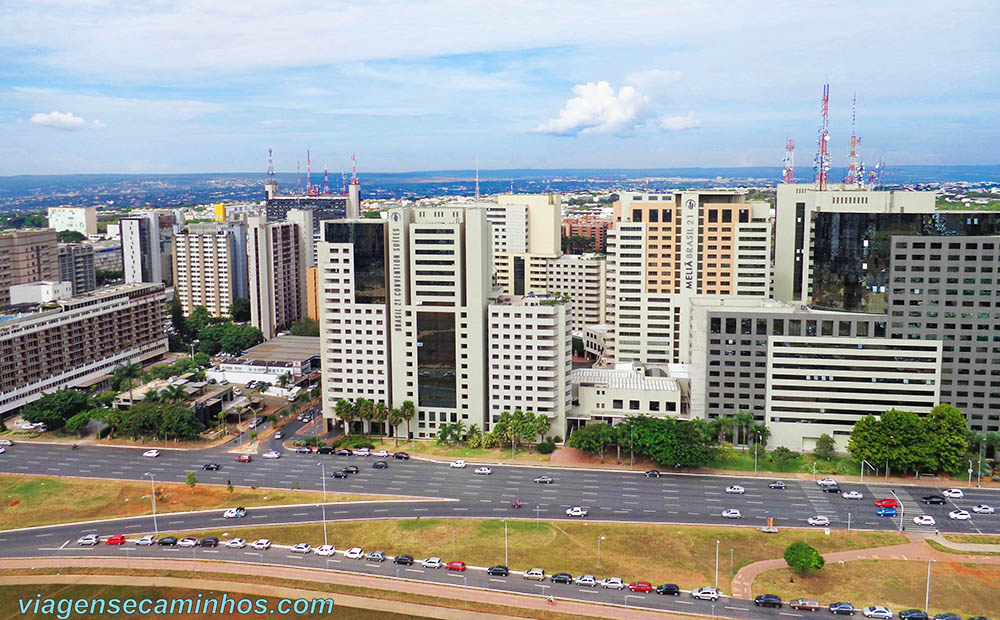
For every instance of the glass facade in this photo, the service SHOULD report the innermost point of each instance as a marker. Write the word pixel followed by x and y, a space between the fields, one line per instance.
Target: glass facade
pixel 436 381
pixel 368 240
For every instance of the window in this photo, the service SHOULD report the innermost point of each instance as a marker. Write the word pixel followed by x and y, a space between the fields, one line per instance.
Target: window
pixel 617 404
pixel 633 405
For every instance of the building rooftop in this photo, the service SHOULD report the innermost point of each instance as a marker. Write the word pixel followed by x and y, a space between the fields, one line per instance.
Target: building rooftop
pixel 285 349
pixel 631 379
pixel 529 300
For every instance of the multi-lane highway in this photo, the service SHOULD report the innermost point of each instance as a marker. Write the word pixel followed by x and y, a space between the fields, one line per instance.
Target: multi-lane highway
pixel 609 496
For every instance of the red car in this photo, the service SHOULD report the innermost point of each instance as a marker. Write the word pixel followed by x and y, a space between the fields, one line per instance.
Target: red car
pixel 243 458
pixel 116 539
pixel 459 566
pixel 640 586
pixel 888 502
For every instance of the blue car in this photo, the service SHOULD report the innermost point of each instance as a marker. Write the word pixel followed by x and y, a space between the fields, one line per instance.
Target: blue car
pixel 886 512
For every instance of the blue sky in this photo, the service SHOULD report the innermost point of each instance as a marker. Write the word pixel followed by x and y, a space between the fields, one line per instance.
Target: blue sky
pixel 205 86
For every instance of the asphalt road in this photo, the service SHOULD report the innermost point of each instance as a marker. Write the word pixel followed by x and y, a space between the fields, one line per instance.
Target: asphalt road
pixel 609 496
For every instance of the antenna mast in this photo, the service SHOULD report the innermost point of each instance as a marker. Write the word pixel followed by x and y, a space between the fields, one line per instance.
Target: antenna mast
pixel 854 173
pixel 270 166
pixel 326 181
pixel 309 186
pixel 822 161
pixel 477 178
pixel 298 178
pixel 788 173
pixel 354 169
pixel 343 182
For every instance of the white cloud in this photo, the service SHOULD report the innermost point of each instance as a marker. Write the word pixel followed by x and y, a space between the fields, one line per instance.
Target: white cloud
pixel 597 108
pixel 652 79
pixel 96 124
pixel 678 123
pixel 58 120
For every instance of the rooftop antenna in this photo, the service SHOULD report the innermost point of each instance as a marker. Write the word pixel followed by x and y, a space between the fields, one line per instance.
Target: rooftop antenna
pixel 512 186
pixel 343 181
pixel 354 169
pixel 309 186
pixel 298 178
pixel 477 178
pixel 788 172
pixel 822 161
pixel 270 166
pixel 326 181
pixel 854 174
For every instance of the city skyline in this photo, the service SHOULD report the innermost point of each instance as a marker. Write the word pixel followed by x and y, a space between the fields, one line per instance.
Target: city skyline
pixel 182 88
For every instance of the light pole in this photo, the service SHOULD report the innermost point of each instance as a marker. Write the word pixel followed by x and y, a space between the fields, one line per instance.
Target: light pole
pixel 717 565
pixel 631 453
pixel 506 550
pixel 979 480
pixel 901 509
pixel 599 551
pixel 970 472
pixel 323 505
pixel 152 485
pixel 927 596
pixel 755 453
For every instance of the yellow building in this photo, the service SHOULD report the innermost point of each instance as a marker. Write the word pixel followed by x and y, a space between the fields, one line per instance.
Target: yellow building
pixel 527 232
pixel 312 297
pixel 220 213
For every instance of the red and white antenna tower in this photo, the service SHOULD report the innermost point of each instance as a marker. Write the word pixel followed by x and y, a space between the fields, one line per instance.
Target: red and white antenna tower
pixel 788 171
pixel 309 185
pixel 854 174
pixel 270 166
pixel 822 161
pixel 354 169
pixel 326 181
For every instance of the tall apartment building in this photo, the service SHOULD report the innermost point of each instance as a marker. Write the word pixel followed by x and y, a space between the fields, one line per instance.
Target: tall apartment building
pixel 312 289
pixel 82 338
pixel 592 228
pixel 278 254
pixel 210 267
pixel 525 236
pixel 77 219
pixel 76 265
pixel 581 278
pixel 404 313
pixel 530 357
pixel 666 248
pixel 26 256
pixel 142 257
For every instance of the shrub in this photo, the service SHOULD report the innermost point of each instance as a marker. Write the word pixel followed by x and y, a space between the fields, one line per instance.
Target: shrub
pixel 556 439
pixel 546 447
pixel 490 440
pixel 474 441
pixel 802 558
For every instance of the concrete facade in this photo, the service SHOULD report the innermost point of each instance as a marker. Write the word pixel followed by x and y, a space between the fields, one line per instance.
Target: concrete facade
pixel 76 265
pixel 28 255
pixel 142 259
pixel 581 278
pixel 277 256
pixel 210 267
pixel 77 219
pixel 609 395
pixel 525 235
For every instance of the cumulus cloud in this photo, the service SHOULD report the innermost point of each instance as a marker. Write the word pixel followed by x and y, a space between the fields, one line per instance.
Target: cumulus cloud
pixel 678 123
pixel 597 108
pixel 58 120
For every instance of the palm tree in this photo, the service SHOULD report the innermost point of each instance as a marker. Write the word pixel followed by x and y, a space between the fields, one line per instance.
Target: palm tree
pixel 174 393
pixel 345 411
pixel 472 431
pixel 380 413
pixel 363 409
pixel 284 379
pixel 126 374
pixel 745 421
pixel 395 419
pixel 151 396
pixel 408 409
pixel 458 430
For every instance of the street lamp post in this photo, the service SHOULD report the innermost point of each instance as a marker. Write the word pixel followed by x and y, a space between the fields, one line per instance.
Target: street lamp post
pixel 323 505
pixel 902 510
pixel 152 485
pixel 927 596
pixel 755 454
pixel 717 565
pixel 970 472
pixel 599 551
pixel 979 480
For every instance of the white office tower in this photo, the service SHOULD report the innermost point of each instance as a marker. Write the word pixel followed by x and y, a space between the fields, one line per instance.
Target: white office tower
pixel 530 357
pixel 526 234
pixel 141 257
pixel 210 267
pixel 403 313
pixel 77 219
pixel 277 256
pixel 582 279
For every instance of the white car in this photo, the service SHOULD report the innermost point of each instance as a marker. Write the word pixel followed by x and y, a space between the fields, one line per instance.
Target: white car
pixel 354 553
pixel 825 482
pixel 236 543
pixel 818 520
pixel 705 594
pixel 431 563
pixel 325 550
pixel 877 611
pixel 960 515
pixel 32 426
pixel 261 544
pixel 953 493
pixel 187 542
pixel 852 495
pixel 2 449
pixel 483 471
pixel 89 539
pixel 614 583
pixel 381 453
pixel 302 548
pixel 457 464
pixel 576 511
pixel 924 520
pixel 273 454
pixel 362 452
pixel 736 489
pixel 151 454
pixel 234 513
pixel 732 513
pixel 586 580
pixel 6 442
pixel 983 509
pixel 146 540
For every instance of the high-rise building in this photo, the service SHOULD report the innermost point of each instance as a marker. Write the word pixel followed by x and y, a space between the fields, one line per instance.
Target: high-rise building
pixel 525 236
pixel 581 279
pixel 75 340
pixel 76 265
pixel 76 219
pixel 210 267
pixel 278 254
pixel 312 291
pixel 591 228
pixel 28 255
pixel 142 257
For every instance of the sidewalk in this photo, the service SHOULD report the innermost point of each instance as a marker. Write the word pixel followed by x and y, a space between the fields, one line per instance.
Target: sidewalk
pixel 469 594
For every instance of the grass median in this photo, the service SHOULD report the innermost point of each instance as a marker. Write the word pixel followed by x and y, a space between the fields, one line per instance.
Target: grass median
pixel 965 589
pixel 457 451
pixel 684 555
pixel 975 539
pixel 47 500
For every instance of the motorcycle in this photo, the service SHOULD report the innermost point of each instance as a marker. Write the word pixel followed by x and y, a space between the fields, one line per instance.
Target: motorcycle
pixel 515 505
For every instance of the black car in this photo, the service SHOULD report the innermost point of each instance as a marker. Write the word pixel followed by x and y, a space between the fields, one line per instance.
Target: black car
pixel 562 578
pixel 653 473
pixel 210 467
pixel 324 450
pixel 979 618
pixel 777 484
pixel 912 614
pixel 344 452
pixel 670 589
pixel 303 450
pixel 768 600
pixel 167 541
pixel 844 609
pixel 380 465
pixel 351 469
pixel 402 456
pixel 947 616
pixel 497 571
pixel 405 560
pixel 340 473
pixel 831 488
pixel 933 499
pixel 209 542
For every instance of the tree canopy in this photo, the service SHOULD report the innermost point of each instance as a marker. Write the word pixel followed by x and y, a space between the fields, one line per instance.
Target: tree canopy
pixel 54 409
pixel 169 420
pixel 910 442
pixel 667 441
pixel 240 309
pixel 801 557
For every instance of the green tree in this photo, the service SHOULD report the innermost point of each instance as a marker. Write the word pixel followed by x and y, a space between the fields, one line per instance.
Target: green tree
pixel 802 558
pixel 305 327
pixel 200 359
pixel 345 411
pixel 175 393
pixel 229 487
pixel 744 422
pixel 866 442
pixel 78 422
pixel 104 276
pixel 198 320
pixel 824 448
pixel 380 413
pixel 408 410
pixel 284 379
pixel 945 437
pixel 542 425
pixel 783 457
pixel 395 419
pixel 70 236
pixel 190 479
pixel 240 309
pixel 593 437
pixel 55 409
pixel 123 377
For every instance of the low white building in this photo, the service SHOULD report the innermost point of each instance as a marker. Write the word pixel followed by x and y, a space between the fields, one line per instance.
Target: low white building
pixel 40 292
pixel 609 395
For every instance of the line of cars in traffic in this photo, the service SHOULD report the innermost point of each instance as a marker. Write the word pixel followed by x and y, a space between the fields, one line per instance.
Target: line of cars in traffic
pixel 844 608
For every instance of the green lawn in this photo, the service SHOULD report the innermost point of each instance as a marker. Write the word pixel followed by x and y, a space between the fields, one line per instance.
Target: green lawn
pixel 737 459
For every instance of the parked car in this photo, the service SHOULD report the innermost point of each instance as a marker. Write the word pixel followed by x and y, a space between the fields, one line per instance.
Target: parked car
pixel 818 520
pixel 705 594
pixel 115 539
pixel 88 540
pixel 324 550
pixel 344 452
pixel 586 580
pixel 324 450
pixel 376 556
pixel 535 574
pixel 613 583
pixel 210 541
pixel 653 473
pixel 432 563
pixel 768 600
pixel 732 513
pixel 401 456
pixel 640 586
pixel 543 480
pixel 210 467
pixel 777 484
pixel 735 489
pixel 236 543
pixel 362 452
pixel 146 540
pixel 498 571
pixel 804 604
pixel 561 578
pixel 668 589
pixel 913 614
pixel 459 464
pixel 7 442
pixel 303 450
pixel 953 493
pixel 167 541
pixel 403 560
pixel 844 609
pixel 354 553
pixel 187 542
pixel 947 616
pixel 261 544
pixel 301 548
pixel 381 454
pixel 235 513
pixel 877 611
